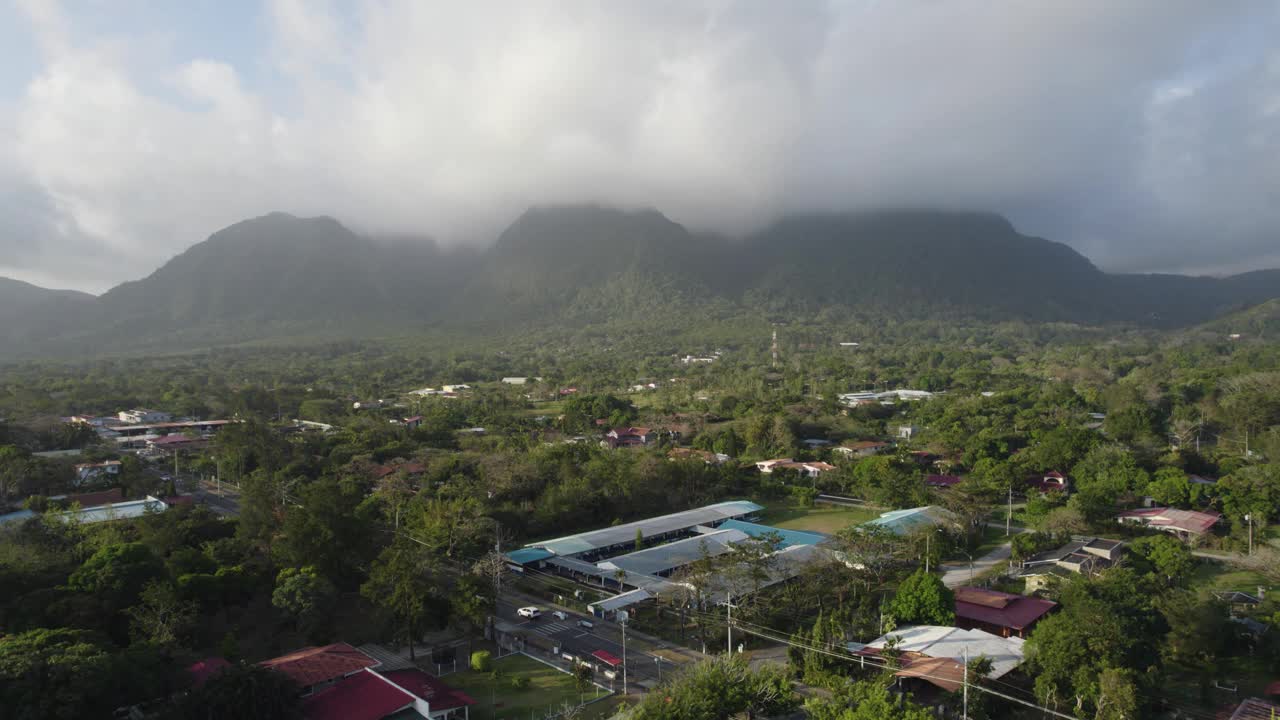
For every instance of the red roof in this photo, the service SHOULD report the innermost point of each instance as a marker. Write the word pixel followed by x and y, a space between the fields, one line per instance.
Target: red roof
pixel 630 431
pixel 991 607
pixel 1174 519
pixel 204 669
pixel 430 688
pixel 607 658
pixel 314 665
pixel 173 440
pixel 363 696
pixel 941 481
pixel 410 468
pixel 1255 709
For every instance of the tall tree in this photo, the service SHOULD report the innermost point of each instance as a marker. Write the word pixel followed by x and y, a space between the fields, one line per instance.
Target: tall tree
pixel 401 582
pixel 922 599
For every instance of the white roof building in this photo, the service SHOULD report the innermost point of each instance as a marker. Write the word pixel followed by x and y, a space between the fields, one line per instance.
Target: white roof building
pixel 936 641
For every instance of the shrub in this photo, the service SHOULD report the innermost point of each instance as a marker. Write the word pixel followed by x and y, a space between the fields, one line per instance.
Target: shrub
pixel 520 683
pixel 481 661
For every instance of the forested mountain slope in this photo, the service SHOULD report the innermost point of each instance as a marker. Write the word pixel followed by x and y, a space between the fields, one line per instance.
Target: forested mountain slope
pixel 280 277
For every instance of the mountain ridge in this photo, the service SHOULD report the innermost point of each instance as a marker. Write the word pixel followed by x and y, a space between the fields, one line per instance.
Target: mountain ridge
pixel 279 275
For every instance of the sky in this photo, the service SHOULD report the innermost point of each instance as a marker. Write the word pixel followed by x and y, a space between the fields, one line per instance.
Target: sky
pixel 1144 133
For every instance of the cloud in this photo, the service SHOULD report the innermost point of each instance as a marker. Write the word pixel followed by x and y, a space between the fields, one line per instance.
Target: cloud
pixel 1144 133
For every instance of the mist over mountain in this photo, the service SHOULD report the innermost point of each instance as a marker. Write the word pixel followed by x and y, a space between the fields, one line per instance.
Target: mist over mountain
pixel 280 276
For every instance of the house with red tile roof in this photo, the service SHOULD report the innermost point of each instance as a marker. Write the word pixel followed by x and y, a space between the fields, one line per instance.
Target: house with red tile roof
pixel 630 436
pixel 862 448
pixel 201 670
pixel 1186 524
pixel 374 695
pixel 312 667
pixel 999 613
pixel 1254 709
pixel 1052 481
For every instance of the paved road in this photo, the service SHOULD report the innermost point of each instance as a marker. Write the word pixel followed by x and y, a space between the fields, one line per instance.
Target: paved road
pixel 643 668
pixel 957 574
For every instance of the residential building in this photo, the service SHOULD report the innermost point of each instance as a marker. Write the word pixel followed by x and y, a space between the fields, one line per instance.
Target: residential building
pixel 814 469
pixel 1049 482
pixel 935 654
pixel 1000 613
pixel 1083 555
pixel 863 448
pixel 93 472
pixel 630 436
pixel 520 380
pixel 340 682
pixel 768 466
pixel 1185 524
pixel 1255 709
pixel 143 416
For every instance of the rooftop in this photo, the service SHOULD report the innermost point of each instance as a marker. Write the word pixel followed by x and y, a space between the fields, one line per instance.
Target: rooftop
pixel 1255 709
pixel 430 688
pixel 665 558
pixel 652 527
pixel 789 537
pixel 992 607
pixel 362 696
pixel 314 665
pixel 905 522
pixel 952 643
pixel 1185 520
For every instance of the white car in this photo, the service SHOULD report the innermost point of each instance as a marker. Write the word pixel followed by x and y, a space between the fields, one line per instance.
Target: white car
pixel 560 615
pixel 529 612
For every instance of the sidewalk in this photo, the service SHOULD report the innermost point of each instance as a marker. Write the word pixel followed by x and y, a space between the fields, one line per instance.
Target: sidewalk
pixel 957 574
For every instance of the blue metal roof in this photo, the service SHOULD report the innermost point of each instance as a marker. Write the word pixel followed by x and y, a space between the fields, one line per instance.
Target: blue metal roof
pixel 789 537
pixel 524 556
pixel 905 522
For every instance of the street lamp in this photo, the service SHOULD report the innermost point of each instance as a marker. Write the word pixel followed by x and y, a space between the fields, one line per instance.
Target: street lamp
pixel 658 661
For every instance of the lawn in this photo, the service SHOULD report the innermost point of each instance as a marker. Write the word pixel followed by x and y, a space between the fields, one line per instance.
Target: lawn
pixel 497 699
pixel 821 517
pixel 1215 575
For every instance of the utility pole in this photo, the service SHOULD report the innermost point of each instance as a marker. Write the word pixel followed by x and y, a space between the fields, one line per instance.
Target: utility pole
pixel 1008 516
pixel 728 624
pixel 927 537
pixel 623 621
pixel 965 712
pixel 1249 517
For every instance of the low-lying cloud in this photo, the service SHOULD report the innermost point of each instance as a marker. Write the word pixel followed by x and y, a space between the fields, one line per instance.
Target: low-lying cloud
pixel 1144 133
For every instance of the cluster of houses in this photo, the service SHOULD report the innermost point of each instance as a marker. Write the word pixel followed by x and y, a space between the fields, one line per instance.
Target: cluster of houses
pixel 342 682
pixel 151 432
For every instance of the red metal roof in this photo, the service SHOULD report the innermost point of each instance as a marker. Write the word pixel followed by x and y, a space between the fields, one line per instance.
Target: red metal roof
pixel 607 658
pixel 942 480
pixel 1017 612
pixel 430 688
pixel 363 696
pixel 202 670
pixel 314 665
pixel 1184 520
pixel 1255 709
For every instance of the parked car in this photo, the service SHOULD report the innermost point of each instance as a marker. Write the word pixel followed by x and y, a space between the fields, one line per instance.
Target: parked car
pixel 586 624
pixel 530 612
pixel 560 615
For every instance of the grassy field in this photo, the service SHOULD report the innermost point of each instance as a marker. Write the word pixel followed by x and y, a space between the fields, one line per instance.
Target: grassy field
pixel 499 699
pixel 821 517
pixel 1215 575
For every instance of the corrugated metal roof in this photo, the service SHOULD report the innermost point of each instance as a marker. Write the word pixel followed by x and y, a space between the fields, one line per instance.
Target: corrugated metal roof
pixel 665 558
pixel 524 556
pixel 789 537
pixel 948 642
pixel 905 522
pixel 652 527
pixel 618 602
